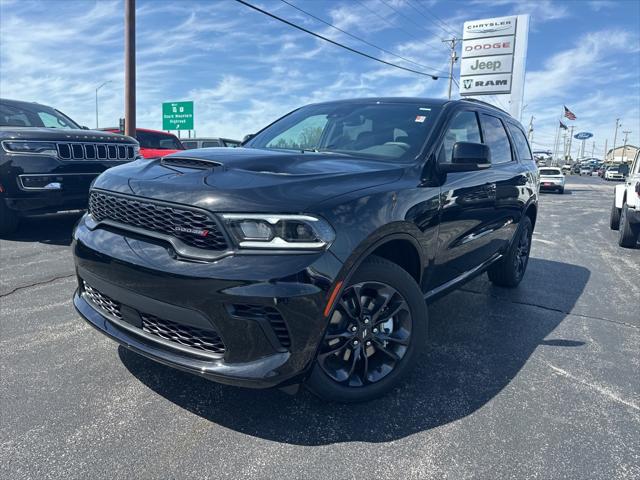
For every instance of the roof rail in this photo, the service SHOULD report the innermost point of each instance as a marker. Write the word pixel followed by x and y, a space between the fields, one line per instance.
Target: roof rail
pixel 485 103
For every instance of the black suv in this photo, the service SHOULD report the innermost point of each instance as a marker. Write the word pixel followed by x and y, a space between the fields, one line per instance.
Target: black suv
pixel 308 254
pixel 47 161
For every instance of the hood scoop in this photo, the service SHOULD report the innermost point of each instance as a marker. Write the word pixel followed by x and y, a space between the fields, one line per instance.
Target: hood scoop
pixel 187 162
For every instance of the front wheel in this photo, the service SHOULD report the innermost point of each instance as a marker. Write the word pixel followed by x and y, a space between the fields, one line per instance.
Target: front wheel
pixel 375 334
pixel 508 271
pixel 614 217
pixel 628 232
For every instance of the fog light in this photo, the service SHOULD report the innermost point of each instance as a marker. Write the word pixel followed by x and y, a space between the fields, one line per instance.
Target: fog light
pixel 53 186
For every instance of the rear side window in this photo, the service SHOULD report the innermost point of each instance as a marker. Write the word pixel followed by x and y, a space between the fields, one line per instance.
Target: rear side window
pixel 521 143
pixel 463 128
pixel 495 136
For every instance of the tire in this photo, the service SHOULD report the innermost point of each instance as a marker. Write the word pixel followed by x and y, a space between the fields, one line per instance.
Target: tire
pixel 614 217
pixel 345 372
pixel 561 191
pixel 628 237
pixel 8 219
pixel 509 271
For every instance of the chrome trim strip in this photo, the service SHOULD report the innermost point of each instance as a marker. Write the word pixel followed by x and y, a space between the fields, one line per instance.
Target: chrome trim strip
pixel 461 278
pixel 23 187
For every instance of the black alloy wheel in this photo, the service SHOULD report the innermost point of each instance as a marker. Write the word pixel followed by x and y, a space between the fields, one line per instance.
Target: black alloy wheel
pixel 368 334
pixel 523 247
pixel 508 271
pixel 374 335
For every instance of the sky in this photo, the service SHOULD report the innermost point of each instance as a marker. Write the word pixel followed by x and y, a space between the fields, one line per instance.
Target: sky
pixel 243 69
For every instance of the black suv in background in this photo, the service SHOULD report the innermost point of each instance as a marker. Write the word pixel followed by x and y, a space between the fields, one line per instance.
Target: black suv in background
pixel 47 161
pixel 308 255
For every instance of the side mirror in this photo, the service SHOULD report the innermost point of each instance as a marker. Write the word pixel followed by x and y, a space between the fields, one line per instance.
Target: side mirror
pixel 467 157
pixel 247 138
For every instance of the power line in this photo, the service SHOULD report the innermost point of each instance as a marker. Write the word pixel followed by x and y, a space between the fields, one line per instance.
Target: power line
pixel 358 38
pixel 353 50
pixel 388 22
pixel 409 19
pixel 440 24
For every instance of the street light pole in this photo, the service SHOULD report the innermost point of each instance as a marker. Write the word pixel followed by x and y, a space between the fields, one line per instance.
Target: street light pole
pixel 99 87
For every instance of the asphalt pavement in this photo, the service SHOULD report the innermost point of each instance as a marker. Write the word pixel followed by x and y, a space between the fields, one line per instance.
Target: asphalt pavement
pixel 540 382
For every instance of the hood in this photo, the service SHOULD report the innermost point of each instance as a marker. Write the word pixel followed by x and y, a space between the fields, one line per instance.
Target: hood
pixel 60 135
pixel 250 180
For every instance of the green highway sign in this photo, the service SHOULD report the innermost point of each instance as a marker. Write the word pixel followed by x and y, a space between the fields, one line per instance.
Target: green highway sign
pixel 177 116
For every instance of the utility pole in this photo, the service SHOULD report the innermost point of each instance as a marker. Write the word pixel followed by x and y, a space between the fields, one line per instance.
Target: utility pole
pixel 593 148
pixel 615 137
pixel 570 137
pixel 606 140
pixel 130 67
pixel 530 132
pixel 102 85
pixel 452 42
pixel 624 149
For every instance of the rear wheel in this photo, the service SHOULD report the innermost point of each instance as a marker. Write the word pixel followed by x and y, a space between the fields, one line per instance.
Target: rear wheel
pixel 628 232
pixel 8 219
pixel 376 332
pixel 614 217
pixel 508 272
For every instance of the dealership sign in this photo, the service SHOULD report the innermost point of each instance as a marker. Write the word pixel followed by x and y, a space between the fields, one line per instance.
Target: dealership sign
pixel 493 58
pixel 177 116
pixel 583 135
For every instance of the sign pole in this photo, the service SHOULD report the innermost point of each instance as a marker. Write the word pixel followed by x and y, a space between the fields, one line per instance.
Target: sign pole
pixel 130 67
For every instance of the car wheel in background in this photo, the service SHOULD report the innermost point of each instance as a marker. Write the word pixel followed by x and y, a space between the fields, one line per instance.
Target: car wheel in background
pixel 376 332
pixel 8 219
pixel 614 218
pixel 508 271
pixel 628 237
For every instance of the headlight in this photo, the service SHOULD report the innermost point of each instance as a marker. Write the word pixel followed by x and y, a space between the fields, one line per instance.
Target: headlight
pixel 38 148
pixel 282 232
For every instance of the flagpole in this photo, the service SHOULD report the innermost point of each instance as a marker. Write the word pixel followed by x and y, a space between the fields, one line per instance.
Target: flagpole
pixel 555 144
pixel 570 137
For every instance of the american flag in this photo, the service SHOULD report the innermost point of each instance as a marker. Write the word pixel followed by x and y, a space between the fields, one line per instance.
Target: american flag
pixel 569 114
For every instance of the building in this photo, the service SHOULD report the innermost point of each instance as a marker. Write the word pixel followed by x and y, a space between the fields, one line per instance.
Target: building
pixel 626 153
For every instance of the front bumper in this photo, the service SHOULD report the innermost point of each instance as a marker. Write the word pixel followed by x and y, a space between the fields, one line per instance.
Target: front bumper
pixel 259 351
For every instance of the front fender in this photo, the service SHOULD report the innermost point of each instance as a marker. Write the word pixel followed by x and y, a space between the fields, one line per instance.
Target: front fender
pixel 619 195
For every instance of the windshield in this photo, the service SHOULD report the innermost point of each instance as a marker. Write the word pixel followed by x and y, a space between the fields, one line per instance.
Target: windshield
pixel 390 131
pixel 550 171
pixel 158 141
pixel 34 115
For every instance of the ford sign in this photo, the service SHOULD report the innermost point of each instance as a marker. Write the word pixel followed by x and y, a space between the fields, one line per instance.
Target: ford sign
pixel 583 135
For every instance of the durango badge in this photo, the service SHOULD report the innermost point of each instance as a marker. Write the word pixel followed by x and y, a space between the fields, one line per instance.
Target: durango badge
pixel 194 231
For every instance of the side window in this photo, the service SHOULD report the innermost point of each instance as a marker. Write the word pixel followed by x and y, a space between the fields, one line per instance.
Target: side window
pixel 521 143
pixel 305 134
pixel 496 138
pixel 188 145
pixel 463 128
pixel 211 144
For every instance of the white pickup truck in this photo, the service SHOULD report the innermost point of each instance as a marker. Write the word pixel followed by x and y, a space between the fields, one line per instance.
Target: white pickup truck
pixel 625 212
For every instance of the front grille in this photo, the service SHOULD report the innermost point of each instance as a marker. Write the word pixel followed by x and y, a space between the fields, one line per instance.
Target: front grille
pixel 271 314
pixel 189 163
pixel 192 337
pixel 185 335
pixel 194 228
pixel 95 151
